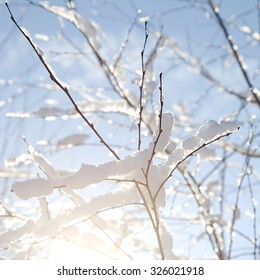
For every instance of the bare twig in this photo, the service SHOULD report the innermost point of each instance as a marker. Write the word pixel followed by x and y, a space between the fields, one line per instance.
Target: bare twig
pixel 60 85
pixel 160 126
pixel 141 88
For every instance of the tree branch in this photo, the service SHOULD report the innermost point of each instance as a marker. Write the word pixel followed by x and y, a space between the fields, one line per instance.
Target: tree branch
pixel 59 83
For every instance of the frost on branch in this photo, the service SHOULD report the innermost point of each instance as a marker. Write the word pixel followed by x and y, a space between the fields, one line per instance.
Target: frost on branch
pixel 87 27
pixel 43 163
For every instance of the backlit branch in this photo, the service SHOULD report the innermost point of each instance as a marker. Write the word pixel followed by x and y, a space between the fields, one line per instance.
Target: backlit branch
pixel 59 83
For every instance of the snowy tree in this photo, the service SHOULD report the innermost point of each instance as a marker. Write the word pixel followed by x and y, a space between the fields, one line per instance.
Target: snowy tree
pixel 130 130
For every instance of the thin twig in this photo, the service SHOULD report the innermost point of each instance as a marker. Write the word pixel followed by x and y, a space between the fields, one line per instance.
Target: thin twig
pixel 141 87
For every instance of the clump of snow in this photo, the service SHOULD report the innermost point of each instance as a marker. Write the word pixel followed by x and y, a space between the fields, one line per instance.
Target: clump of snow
pixel 33 188
pixel 90 174
pixel 207 154
pixel 167 123
pixel 256 36
pixel 209 130
pixel 212 129
pixel 171 146
pixel 228 126
pixel 191 143
pixel 176 156
pixel 167 241
pixel 244 28
pixel 144 19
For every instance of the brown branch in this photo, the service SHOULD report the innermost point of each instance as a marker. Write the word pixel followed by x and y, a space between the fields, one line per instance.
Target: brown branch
pixel 60 85
pixel 141 88
pixel 160 126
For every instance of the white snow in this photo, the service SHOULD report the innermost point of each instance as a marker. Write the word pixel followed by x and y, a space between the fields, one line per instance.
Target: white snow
pixel 13 235
pixel 90 174
pixel 176 156
pixel 42 37
pixel 43 163
pixel 207 154
pixel 33 188
pixel 167 241
pixel 244 28
pixel 212 129
pixel 23 159
pixel 228 126
pixel 87 27
pixel 73 140
pixel 21 115
pixel 209 130
pixel 26 32
pixel 191 143
pixel 167 123
pixel 256 36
